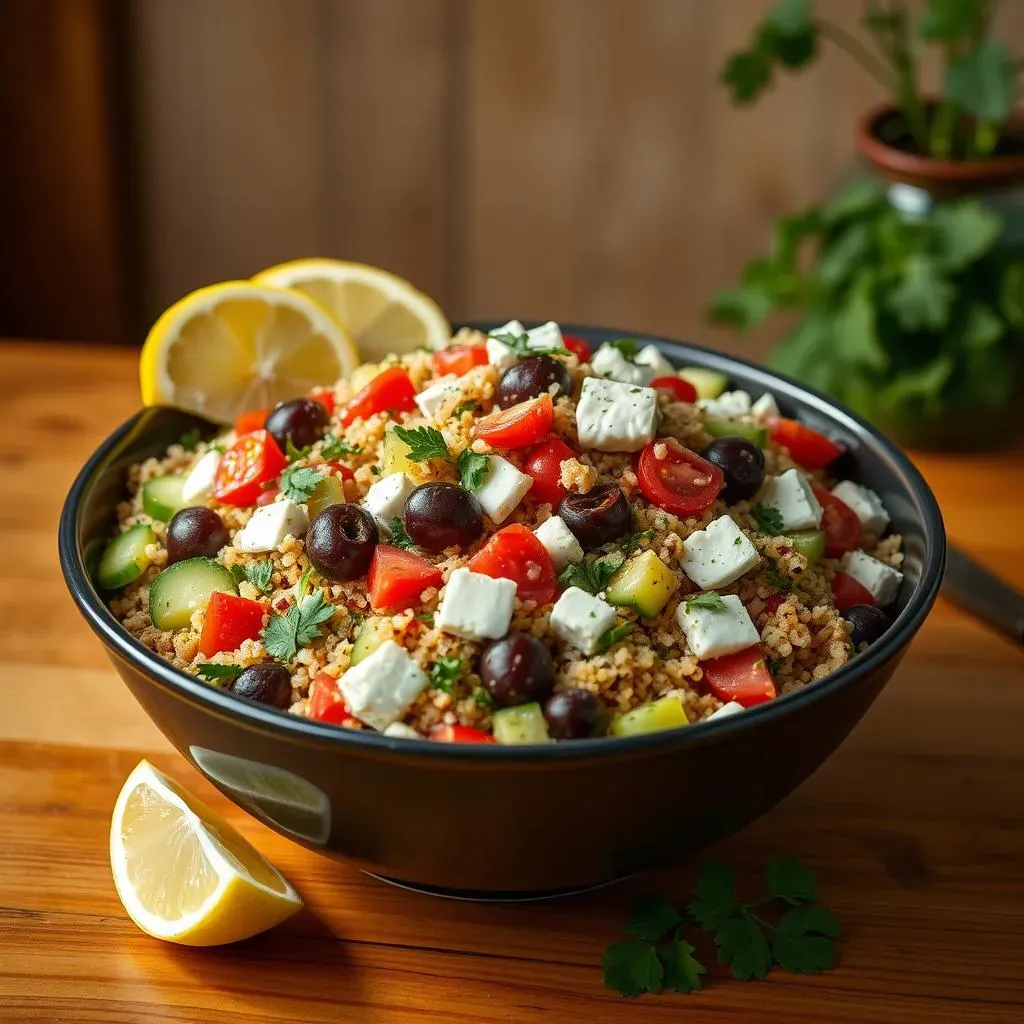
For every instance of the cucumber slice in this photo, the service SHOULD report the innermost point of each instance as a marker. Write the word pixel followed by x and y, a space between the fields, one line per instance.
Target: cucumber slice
pixel 371 635
pixel 709 383
pixel 394 455
pixel 666 713
pixel 523 724
pixel 716 426
pixel 124 559
pixel 810 544
pixel 330 491
pixel 185 586
pixel 644 584
pixel 161 496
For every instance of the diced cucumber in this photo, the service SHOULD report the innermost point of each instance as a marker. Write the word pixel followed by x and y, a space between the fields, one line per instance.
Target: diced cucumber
pixel 330 491
pixel 809 543
pixel 717 426
pixel 371 635
pixel 162 497
pixel 185 586
pixel 644 583
pixel 124 559
pixel 666 713
pixel 523 724
pixel 362 375
pixel 395 455
pixel 709 383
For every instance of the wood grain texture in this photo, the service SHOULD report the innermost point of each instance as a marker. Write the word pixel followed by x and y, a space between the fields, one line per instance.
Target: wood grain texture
pixel 916 825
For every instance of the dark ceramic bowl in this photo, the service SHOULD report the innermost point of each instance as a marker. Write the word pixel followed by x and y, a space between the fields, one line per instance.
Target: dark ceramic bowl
pixel 513 821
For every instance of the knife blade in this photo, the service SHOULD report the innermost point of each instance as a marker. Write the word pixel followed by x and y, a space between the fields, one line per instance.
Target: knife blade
pixel 983 594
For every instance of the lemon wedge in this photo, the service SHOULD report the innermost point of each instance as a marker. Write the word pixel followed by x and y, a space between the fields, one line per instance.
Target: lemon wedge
pixel 381 312
pixel 183 873
pixel 235 346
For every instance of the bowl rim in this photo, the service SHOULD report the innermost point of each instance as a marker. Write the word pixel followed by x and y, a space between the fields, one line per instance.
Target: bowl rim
pixel 254 716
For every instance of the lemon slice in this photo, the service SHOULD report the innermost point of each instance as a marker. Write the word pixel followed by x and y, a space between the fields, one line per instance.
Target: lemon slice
pixel 236 346
pixel 381 312
pixel 183 873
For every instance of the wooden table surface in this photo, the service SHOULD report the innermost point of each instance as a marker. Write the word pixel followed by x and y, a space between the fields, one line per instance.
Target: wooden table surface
pixel 916 825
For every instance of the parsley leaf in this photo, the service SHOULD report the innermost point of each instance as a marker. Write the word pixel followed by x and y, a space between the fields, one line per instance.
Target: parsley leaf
pixel 285 634
pixel 627 346
pixel 299 482
pixel 713 902
pixel 592 577
pixel 424 443
pixel 292 453
pixel 802 942
pixel 614 635
pixel 212 672
pixel 768 519
pixel 520 344
pixel 634 540
pixel 682 970
pixel 190 439
pixel 334 448
pixel 632 967
pixel 653 918
pixel 790 880
pixel 257 573
pixel 742 945
pixel 775 578
pixel 470 406
pixel 474 469
pixel 710 601
pixel 398 536
pixel 445 673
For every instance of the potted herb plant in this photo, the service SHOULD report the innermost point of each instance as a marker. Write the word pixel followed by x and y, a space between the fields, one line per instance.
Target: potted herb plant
pixel 911 306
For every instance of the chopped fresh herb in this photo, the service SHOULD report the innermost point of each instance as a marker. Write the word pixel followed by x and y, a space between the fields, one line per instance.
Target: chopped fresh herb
pixel 614 636
pixel 426 617
pixel 292 453
pixel 470 406
pixel 777 579
pixel 256 573
pixel 710 601
pixel 398 536
pixel 355 619
pixel 627 346
pixel 445 673
pixel 190 439
pixel 218 448
pixel 213 673
pixel 299 482
pixel 375 470
pixel 424 443
pixel 335 448
pixel 483 699
pixel 774 664
pixel 300 625
pixel 302 587
pixel 520 344
pixel 474 469
pixel 593 576
pixel 635 540
pixel 769 520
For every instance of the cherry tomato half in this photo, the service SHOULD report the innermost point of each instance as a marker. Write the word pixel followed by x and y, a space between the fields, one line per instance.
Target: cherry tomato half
pixel 742 677
pixel 253 460
pixel 459 734
pixel 577 346
pixel 514 553
pixel 249 421
pixel 326 704
pixel 544 464
pixel 806 447
pixel 682 482
pixel 396 578
pixel 843 529
pixel 847 591
pixel 518 425
pixel 681 390
pixel 390 391
pixel 459 359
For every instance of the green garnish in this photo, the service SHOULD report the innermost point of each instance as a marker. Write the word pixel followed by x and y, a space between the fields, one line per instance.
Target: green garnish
pixel 445 673
pixel 256 573
pixel 302 587
pixel 470 406
pixel 190 439
pixel 425 617
pixel 777 579
pixel 593 576
pixel 520 344
pixel 627 346
pixel 213 673
pixel 768 519
pixel 397 535
pixel 483 699
pixel 710 601
pixel 634 540
pixel 657 958
pixel 292 453
pixel 300 625
pixel 474 469
pixel 613 636
pixel 424 443
pixel 299 482
pixel 335 448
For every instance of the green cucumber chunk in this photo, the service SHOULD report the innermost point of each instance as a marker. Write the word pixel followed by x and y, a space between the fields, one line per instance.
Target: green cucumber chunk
pixel 709 383
pixel 644 583
pixel 161 496
pixel 809 543
pixel 666 713
pixel 523 724
pixel 330 491
pixel 372 634
pixel 124 559
pixel 185 586
pixel 716 426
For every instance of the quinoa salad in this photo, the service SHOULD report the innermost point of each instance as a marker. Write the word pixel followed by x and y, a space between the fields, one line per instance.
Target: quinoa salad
pixel 513 539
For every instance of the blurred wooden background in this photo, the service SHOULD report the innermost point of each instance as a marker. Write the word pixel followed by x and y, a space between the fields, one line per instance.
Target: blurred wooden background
pixel 573 159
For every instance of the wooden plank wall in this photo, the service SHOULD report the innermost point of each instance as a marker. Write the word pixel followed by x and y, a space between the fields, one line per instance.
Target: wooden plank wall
pixel 573 159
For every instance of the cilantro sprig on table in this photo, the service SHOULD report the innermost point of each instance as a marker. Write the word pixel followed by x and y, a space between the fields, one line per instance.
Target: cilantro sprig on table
pixel 788 926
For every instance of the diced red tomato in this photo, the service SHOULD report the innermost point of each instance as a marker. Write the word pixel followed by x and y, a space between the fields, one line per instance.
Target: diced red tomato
pixel 230 620
pixel 519 425
pixel 397 578
pixel 514 553
pixel 326 704
pixel 459 734
pixel 390 391
pixel 253 460
pixel 682 482
pixel 806 447
pixel 843 529
pixel 681 390
pixel 340 469
pixel 846 591
pixel 742 677
pixel 252 420
pixel 268 495
pixel 544 464
pixel 325 397
pixel 459 359
pixel 577 346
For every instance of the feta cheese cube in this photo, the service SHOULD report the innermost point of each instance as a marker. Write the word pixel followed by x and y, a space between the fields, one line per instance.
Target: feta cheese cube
pixel 714 633
pixel 476 607
pixel 199 483
pixel 386 498
pixel 730 405
pixel 717 555
pixel 651 356
pixel 765 408
pixel 866 503
pixel 732 708
pixel 581 619
pixel 513 327
pixel 432 399
pixel 270 524
pixel 379 690
pixel 502 489
pixel 500 355
pixel 402 731
pixel 792 497
pixel 610 363
pixel 881 580
pixel 615 417
pixel 548 335
pixel 559 542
